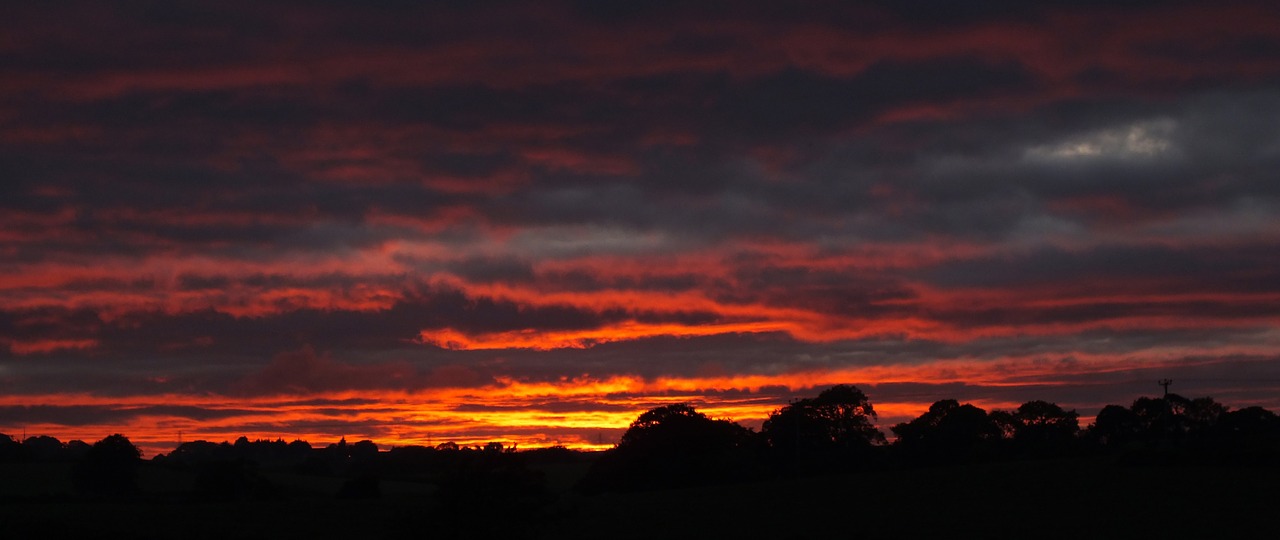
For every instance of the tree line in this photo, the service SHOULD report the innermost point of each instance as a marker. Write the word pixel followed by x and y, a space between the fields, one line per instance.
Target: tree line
pixel 241 470
pixel 676 445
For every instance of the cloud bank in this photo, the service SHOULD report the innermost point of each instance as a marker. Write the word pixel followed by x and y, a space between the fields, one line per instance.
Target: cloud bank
pixel 502 221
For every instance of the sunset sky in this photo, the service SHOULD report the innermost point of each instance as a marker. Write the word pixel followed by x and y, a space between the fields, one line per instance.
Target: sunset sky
pixel 529 222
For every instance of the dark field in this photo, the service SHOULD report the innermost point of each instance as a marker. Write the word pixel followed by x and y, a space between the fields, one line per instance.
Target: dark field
pixel 1044 499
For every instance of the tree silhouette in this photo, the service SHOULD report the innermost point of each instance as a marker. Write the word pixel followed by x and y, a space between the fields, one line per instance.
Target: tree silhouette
pixel 1173 428
pixel 662 424
pixel 363 455
pixel 1115 426
pixel 675 445
pixel 948 432
pixel 1252 433
pixel 110 466
pixel 1167 421
pixel 76 449
pixel 1040 428
pixel 10 450
pixel 198 452
pixel 833 430
pixel 1202 414
pixel 364 449
pixel 44 448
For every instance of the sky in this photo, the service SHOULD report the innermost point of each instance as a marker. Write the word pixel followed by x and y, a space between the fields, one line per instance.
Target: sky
pixel 525 222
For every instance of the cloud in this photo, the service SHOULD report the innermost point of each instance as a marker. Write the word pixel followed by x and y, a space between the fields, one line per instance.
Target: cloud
pixel 724 202
pixel 93 415
pixel 1138 141
pixel 305 372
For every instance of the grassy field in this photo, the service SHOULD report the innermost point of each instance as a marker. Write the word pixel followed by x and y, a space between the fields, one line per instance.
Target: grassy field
pixel 1072 499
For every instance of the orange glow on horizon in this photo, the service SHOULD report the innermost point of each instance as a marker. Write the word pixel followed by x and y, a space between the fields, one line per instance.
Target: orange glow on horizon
pixel 580 412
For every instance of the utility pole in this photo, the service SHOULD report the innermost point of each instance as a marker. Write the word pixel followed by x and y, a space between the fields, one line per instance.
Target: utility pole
pixel 1165 383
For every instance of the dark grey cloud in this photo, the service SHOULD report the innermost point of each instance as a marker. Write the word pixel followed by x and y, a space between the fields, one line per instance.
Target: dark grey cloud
pixel 493 269
pixel 1237 269
pixel 977 183
pixel 84 415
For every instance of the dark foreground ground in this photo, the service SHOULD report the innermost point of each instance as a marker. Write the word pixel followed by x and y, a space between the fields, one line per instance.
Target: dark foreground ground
pixel 1071 499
